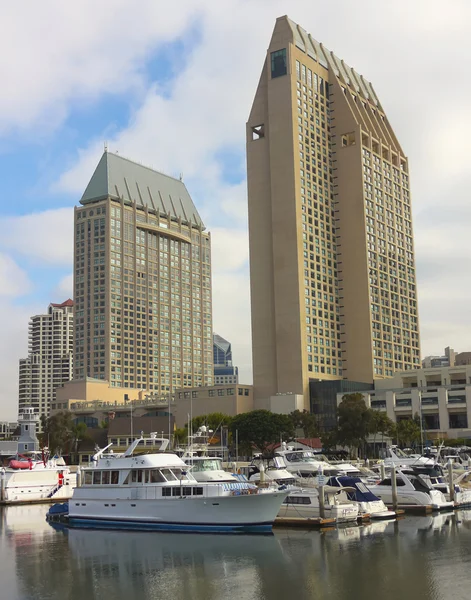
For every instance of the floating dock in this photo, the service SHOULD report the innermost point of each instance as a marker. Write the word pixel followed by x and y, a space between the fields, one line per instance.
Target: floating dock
pixel 304 523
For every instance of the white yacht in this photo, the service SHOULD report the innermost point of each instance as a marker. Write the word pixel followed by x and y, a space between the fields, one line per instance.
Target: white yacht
pixel 398 457
pixel 368 503
pixel 305 463
pixel 304 503
pixel 209 469
pixel 413 489
pixel 34 477
pixel 271 469
pixel 440 481
pixel 158 491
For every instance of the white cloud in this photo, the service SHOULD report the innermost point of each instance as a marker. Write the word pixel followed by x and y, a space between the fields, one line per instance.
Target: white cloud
pixel 68 53
pixel 65 288
pixel 42 237
pixel 14 281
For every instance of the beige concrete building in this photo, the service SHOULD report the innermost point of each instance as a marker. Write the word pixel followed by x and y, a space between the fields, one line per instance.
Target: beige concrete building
pixel 442 395
pixel 50 357
pixel 94 401
pixel 231 400
pixel 142 281
pixel 333 286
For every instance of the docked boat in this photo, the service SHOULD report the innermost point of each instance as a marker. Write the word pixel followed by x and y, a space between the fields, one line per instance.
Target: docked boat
pixel 209 469
pixel 397 457
pixel 439 480
pixel 413 489
pixel 158 492
pixel 34 477
pixel 271 469
pixel 304 503
pixel 368 503
pixel 305 463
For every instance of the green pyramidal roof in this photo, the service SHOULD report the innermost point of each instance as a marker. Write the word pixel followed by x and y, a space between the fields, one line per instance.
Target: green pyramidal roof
pixel 118 177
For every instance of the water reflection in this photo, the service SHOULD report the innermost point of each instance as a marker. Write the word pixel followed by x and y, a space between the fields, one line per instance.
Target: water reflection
pixel 416 557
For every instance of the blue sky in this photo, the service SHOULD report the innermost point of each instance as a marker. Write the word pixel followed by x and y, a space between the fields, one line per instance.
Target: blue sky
pixel 171 87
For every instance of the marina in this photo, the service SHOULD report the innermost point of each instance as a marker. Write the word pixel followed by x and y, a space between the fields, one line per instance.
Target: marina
pixel 40 561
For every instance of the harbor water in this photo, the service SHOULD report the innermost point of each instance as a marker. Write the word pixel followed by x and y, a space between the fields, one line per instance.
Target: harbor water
pixel 420 558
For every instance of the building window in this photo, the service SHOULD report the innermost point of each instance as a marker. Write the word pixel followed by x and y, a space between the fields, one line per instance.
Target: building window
pixel 458 421
pixel 220 392
pixel 278 63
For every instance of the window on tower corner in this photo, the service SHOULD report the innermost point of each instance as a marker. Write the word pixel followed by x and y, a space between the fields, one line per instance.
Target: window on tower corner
pixel 278 63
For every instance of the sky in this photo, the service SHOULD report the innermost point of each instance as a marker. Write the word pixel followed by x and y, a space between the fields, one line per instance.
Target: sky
pixel 171 86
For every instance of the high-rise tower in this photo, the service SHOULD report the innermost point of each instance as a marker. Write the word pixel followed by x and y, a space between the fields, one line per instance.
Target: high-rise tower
pixel 333 286
pixel 50 357
pixel 142 281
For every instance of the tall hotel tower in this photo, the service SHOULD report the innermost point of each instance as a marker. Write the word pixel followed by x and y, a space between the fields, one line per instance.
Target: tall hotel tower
pixel 333 283
pixel 50 357
pixel 142 281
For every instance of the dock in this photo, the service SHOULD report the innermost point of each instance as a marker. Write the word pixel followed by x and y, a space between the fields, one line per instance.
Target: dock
pixel 304 523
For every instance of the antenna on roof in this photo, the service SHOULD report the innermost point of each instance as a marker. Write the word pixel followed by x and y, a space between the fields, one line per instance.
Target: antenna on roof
pixel 105 146
pixel 181 176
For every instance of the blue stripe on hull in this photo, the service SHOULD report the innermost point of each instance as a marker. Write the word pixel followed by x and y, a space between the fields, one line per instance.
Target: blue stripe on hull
pixel 154 526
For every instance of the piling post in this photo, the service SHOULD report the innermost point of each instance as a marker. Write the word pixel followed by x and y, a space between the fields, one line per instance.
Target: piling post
pixel 394 487
pixel 321 502
pixel 2 485
pixel 382 471
pixel 262 474
pixel 450 480
pixel 79 477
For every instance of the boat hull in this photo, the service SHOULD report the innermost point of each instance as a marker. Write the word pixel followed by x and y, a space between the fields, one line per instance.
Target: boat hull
pixel 255 512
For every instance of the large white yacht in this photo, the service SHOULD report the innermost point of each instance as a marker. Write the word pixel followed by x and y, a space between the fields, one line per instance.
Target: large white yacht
pixel 158 491
pixel 413 489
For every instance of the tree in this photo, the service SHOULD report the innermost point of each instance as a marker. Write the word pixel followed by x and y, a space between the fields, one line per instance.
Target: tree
pixel 78 434
pixel 261 428
pixel 380 423
pixel 354 421
pixel 58 431
pixel 408 431
pixel 306 421
pixel 213 421
pixel 180 436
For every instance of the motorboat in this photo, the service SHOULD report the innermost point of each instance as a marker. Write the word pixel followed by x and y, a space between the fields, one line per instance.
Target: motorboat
pixel 304 503
pixel 440 481
pixel 368 503
pixel 271 469
pixel 344 467
pixel 158 492
pixel 204 467
pixel 35 477
pixel 397 457
pixel 209 469
pixel 305 463
pixel 413 489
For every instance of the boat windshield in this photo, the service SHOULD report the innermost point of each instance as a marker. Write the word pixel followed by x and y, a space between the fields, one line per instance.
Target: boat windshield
pixel 321 457
pixel 209 464
pixel 401 453
pixel 305 457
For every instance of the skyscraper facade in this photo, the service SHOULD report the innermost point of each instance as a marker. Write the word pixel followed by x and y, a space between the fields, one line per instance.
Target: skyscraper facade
pixel 142 281
pixel 50 357
pixel 224 370
pixel 333 285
